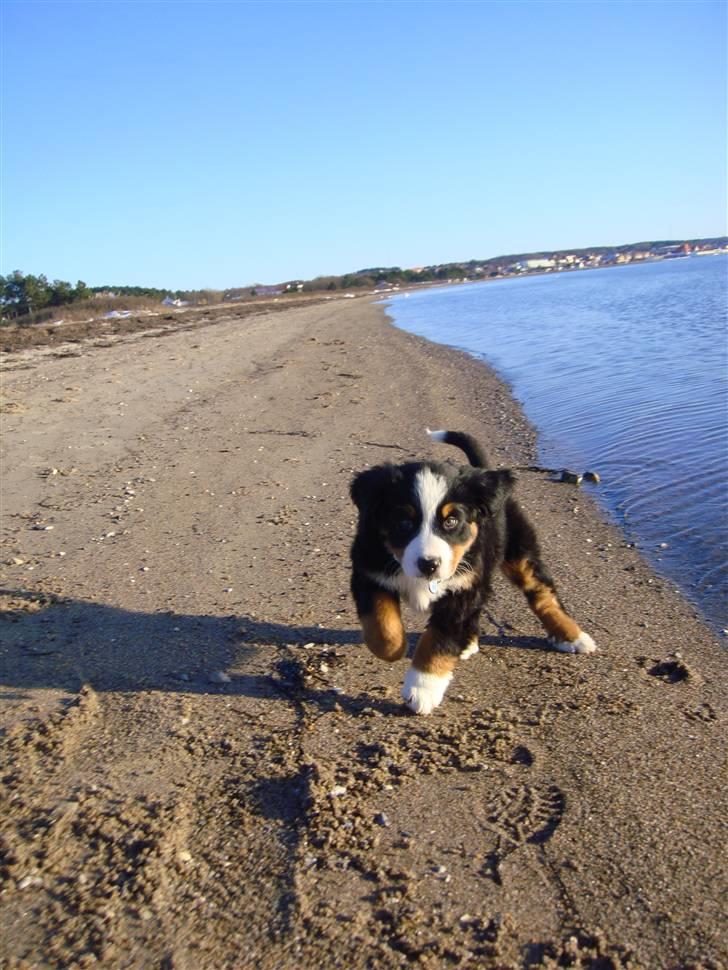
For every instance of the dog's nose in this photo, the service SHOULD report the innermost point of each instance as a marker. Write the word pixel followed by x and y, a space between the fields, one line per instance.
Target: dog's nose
pixel 428 566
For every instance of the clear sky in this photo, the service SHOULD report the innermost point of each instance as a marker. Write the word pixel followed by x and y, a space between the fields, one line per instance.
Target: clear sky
pixel 193 144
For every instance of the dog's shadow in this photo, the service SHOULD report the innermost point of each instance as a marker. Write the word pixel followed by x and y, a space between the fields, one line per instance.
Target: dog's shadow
pixel 63 644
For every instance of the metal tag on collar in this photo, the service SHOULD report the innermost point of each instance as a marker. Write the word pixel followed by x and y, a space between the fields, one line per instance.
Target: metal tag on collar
pixel 433 584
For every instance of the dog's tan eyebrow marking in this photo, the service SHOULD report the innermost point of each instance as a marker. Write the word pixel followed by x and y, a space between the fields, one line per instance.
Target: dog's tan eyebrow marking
pixel 448 509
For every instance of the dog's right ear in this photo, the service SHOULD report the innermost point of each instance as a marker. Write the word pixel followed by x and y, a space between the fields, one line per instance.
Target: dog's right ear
pixel 369 487
pixel 487 489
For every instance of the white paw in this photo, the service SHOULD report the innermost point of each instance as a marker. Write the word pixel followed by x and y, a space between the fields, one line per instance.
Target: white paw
pixel 471 649
pixel 424 692
pixel 582 644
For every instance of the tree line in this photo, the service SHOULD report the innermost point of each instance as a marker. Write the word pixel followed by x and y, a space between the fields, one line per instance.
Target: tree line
pixel 22 294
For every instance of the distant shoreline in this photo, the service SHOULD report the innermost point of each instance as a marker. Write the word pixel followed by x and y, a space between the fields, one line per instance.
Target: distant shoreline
pixel 536 273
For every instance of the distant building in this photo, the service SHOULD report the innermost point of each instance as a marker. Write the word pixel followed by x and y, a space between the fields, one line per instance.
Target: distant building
pixel 529 265
pixel 671 252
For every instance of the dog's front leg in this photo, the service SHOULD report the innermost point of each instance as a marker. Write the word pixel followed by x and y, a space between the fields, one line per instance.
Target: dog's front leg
pixel 380 618
pixel 436 655
pixel 428 678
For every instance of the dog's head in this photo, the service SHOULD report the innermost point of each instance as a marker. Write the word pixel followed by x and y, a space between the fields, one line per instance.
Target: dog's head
pixel 426 514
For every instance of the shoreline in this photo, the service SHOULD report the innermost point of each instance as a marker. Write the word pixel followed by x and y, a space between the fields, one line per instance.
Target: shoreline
pixel 716 624
pixel 446 284
pixel 189 675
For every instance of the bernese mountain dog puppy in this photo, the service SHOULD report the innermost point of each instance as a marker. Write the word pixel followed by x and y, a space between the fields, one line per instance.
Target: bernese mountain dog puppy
pixel 433 534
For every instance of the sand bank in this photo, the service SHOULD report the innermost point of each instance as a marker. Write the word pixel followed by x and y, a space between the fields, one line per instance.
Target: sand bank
pixel 203 768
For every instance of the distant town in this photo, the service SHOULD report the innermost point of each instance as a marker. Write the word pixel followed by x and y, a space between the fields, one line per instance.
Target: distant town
pixel 28 299
pixel 382 279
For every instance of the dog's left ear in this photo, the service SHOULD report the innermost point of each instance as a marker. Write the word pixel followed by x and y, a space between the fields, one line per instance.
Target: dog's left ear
pixel 488 490
pixel 368 487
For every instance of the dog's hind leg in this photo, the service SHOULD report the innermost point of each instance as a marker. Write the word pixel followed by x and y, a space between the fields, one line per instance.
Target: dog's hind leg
pixel 381 620
pixel 525 568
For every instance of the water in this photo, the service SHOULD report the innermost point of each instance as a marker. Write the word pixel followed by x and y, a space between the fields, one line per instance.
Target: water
pixel 624 371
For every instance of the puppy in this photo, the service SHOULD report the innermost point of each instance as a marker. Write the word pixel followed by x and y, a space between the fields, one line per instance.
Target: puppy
pixel 433 534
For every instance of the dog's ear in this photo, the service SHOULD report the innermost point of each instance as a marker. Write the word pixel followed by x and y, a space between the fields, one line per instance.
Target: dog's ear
pixel 368 488
pixel 488 490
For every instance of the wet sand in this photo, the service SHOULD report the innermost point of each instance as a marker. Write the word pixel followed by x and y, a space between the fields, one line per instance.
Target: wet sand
pixel 201 765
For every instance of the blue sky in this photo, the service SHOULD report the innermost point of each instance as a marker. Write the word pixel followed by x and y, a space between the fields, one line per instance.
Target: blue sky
pixel 224 143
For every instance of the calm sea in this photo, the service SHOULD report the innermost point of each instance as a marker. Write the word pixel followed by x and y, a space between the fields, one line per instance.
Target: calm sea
pixel 624 371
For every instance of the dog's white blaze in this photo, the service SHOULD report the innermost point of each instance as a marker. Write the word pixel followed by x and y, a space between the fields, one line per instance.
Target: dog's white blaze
pixel 424 692
pixel 430 490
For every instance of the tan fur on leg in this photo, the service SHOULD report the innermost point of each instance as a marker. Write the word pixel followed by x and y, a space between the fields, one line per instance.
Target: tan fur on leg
pixel 383 630
pixel 565 633
pixel 429 660
pixel 427 679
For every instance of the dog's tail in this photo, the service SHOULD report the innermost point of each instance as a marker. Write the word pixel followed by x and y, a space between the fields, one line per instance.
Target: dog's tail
pixel 474 451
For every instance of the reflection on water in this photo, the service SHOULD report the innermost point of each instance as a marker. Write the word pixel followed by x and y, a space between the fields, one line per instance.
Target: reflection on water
pixel 624 370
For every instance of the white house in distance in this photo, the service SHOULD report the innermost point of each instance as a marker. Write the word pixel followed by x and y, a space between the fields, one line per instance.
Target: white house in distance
pixel 540 263
pixel 529 265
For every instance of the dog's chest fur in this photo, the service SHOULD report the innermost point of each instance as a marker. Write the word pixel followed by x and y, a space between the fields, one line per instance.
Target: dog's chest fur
pixel 417 592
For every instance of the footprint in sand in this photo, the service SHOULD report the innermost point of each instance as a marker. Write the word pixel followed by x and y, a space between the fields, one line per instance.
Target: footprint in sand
pixel 518 816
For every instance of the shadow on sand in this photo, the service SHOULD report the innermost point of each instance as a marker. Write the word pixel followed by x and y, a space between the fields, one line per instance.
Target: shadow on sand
pixel 63 644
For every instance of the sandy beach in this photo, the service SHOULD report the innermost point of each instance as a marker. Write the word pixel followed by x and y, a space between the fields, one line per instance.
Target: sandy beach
pixel 203 768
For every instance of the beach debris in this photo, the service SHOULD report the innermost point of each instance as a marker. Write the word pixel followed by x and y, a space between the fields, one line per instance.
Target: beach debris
pixel 562 475
pixel 28 881
pixel 569 477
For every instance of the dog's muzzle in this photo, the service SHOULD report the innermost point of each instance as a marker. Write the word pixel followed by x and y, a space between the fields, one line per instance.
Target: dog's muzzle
pixel 428 566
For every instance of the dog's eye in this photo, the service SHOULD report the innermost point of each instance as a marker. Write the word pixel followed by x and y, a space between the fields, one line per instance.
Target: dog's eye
pixel 450 523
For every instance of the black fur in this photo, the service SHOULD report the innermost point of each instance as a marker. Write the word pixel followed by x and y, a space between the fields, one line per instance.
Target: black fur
pixel 482 497
pixel 389 516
